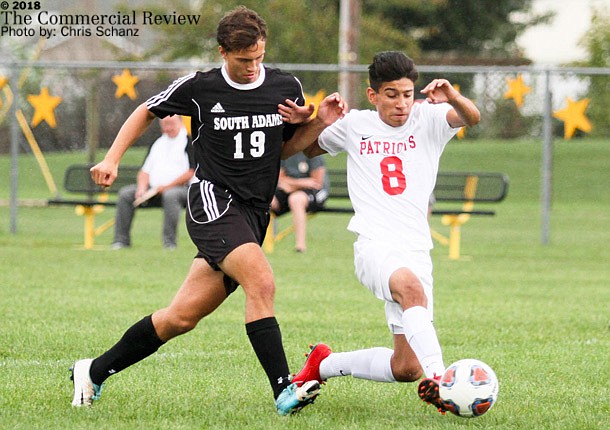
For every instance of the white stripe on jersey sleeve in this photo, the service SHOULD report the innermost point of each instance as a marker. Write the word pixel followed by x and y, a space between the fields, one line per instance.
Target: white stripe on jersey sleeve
pixel 166 94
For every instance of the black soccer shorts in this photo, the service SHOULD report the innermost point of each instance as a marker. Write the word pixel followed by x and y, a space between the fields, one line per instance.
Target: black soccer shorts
pixel 217 224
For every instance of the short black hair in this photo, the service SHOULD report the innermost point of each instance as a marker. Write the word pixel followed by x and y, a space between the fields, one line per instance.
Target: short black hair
pixel 390 66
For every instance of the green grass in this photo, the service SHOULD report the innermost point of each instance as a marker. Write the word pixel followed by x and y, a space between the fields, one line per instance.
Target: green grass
pixel 537 314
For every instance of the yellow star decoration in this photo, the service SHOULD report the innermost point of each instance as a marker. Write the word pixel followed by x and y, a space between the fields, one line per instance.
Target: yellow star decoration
pixel 186 120
pixel 574 117
pixel 3 82
pixel 44 107
pixel 516 90
pixel 125 83
pixel 316 100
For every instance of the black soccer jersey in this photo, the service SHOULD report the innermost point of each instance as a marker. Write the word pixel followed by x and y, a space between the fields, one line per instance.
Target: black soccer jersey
pixel 237 130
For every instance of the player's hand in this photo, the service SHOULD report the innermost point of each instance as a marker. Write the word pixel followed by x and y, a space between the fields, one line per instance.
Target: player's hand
pixel 104 173
pixel 440 91
pixel 292 113
pixel 332 108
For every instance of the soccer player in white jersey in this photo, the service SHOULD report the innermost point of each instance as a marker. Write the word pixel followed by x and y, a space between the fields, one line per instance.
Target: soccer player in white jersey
pixel 393 156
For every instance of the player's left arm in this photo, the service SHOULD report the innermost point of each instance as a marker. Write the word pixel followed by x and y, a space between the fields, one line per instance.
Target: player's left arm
pixel 464 111
pixel 332 108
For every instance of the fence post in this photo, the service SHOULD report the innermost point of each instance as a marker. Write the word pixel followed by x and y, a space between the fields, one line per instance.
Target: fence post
pixel 14 83
pixel 547 161
pixel 348 49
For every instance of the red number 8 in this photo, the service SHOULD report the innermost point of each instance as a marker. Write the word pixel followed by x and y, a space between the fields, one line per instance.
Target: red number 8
pixel 393 179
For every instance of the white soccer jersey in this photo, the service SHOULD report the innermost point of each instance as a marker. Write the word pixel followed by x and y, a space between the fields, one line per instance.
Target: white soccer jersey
pixel 391 171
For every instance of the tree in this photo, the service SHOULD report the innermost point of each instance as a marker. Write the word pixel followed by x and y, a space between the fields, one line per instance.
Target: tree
pixel 471 31
pixel 597 43
pixel 300 32
pixel 307 31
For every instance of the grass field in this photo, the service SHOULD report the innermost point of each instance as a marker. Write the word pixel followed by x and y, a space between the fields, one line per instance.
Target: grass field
pixel 539 315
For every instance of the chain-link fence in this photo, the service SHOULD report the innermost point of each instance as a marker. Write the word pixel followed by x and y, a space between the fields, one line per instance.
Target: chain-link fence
pixel 76 106
pixel 71 106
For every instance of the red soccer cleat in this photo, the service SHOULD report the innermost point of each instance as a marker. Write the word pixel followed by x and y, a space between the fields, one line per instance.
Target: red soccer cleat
pixel 311 368
pixel 428 392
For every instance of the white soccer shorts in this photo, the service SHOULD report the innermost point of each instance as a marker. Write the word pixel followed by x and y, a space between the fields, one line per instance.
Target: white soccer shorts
pixel 375 261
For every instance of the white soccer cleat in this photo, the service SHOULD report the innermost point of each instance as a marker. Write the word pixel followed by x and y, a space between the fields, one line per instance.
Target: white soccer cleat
pixel 85 391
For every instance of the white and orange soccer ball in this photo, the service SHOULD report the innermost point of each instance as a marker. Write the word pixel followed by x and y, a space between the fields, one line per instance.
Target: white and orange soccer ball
pixel 469 388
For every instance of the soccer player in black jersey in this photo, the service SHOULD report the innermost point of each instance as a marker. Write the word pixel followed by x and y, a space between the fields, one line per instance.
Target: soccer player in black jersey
pixel 241 118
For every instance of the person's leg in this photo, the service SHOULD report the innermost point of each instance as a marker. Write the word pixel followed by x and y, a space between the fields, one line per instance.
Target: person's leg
pixel 248 265
pixel 124 215
pixel 415 297
pixel 200 294
pixel 173 200
pixel 298 203
pixel 403 279
pixel 416 346
pixel 373 364
pixel 408 291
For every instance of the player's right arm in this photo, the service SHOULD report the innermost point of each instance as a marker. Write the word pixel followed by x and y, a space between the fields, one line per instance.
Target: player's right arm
pixel 105 172
pixel 332 140
pixel 313 150
pixel 332 108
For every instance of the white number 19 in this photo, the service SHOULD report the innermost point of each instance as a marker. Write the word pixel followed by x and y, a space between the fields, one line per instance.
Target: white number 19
pixel 257 143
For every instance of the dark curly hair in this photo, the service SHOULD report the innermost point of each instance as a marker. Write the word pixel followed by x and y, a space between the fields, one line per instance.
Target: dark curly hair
pixel 240 28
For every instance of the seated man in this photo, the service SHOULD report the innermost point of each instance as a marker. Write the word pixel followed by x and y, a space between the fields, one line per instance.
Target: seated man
pixel 165 175
pixel 302 187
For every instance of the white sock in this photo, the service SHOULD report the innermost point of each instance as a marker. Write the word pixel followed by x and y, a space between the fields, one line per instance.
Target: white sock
pixel 372 364
pixel 421 335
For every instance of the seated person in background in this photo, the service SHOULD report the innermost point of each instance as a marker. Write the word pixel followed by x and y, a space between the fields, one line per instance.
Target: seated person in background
pixel 302 187
pixel 165 175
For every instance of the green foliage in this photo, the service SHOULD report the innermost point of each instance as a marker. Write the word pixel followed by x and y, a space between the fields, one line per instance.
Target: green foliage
pixel 308 31
pixel 175 42
pixel 507 122
pixel 299 32
pixel 378 35
pixel 597 43
pixel 444 26
pixel 537 314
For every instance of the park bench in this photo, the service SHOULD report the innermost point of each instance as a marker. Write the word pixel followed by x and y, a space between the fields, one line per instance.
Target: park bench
pixel 463 188
pixel 90 199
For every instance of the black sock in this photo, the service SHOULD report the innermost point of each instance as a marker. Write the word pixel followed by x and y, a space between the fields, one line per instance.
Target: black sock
pixel 138 342
pixel 266 340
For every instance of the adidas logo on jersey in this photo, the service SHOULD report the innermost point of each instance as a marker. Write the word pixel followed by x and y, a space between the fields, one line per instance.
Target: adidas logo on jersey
pixel 217 108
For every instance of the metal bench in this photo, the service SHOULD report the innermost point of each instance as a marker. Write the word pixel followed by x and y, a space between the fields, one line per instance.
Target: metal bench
pixel 466 188
pixel 90 199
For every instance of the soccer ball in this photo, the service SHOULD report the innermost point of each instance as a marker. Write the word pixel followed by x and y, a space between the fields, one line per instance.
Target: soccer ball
pixel 469 388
